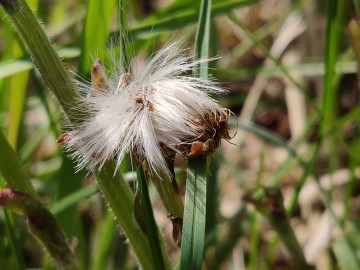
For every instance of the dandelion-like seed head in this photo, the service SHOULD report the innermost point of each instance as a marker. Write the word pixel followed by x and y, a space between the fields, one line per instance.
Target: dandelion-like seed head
pixel 152 112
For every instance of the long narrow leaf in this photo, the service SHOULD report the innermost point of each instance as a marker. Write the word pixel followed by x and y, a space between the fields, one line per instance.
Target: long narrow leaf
pixel 96 31
pixel 194 226
pixel 193 234
pixel 149 220
pixel 168 21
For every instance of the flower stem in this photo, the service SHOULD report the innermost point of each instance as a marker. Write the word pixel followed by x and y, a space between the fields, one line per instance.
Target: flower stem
pixel 169 191
pixel 121 200
pixel 170 196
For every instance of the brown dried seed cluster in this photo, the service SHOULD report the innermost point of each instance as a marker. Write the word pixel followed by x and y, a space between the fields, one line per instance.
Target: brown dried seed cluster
pixel 212 128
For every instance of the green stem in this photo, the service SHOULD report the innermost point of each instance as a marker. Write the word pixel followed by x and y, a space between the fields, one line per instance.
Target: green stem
pixel 121 200
pixel 170 197
pixel 169 191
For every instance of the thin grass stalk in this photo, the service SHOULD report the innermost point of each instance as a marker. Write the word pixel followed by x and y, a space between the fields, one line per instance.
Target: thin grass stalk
pixel 272 208
pixel 115 189
pixel 335 16
pixel 19 259
pixel 159 255
pixel 104 241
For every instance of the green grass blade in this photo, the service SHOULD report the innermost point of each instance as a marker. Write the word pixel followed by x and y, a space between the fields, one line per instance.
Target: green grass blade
pixel 125 53
pixel 73 199
pixel 96 30
pixel 194 223
pixel 176 18
pixel 105 239
pixel 335 15
pixel 13 241
pixel 149 221
pixel 193 234
pixel 203 38
pixel 10 67
pixel 18 86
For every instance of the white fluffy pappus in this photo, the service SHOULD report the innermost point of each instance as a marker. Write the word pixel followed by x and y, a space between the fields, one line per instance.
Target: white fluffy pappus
pixel 141 112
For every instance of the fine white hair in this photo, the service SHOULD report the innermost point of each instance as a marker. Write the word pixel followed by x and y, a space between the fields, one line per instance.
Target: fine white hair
pixel 156 103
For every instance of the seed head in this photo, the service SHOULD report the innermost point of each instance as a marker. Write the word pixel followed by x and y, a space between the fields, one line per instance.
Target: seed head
pixel 150 112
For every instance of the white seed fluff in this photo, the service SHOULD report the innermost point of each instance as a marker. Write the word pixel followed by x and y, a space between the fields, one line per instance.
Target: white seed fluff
pixel 153 104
